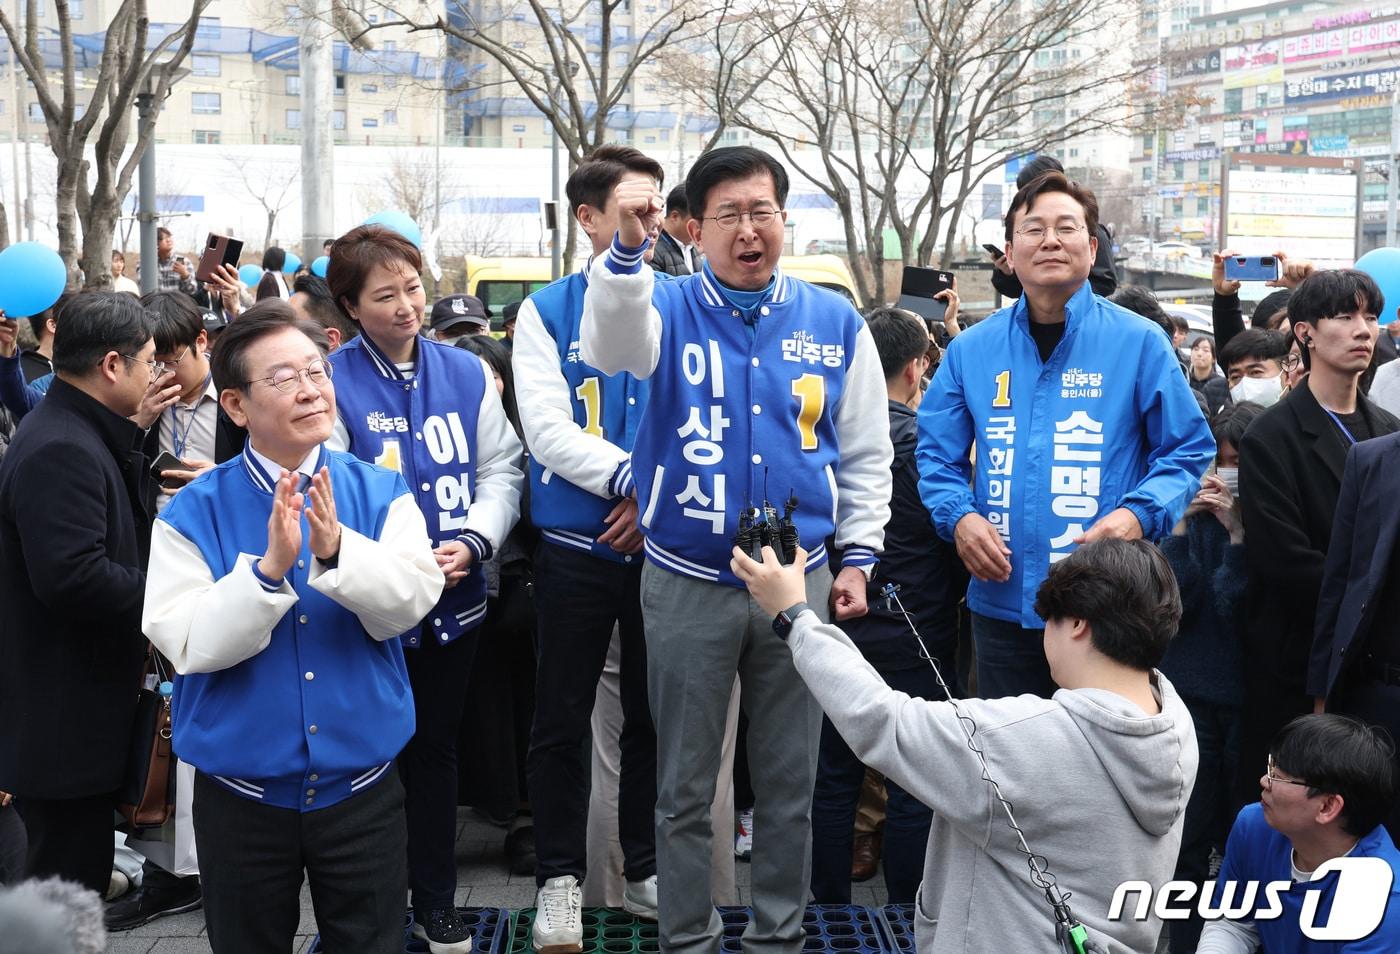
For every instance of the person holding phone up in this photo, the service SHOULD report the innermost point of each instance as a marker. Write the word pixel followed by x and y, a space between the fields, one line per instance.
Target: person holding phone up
pixel 192 433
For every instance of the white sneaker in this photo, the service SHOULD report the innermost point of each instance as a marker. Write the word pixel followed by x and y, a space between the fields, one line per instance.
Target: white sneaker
pixel 639 898
pixel 119 885
pixel 743 838
pixel 559 917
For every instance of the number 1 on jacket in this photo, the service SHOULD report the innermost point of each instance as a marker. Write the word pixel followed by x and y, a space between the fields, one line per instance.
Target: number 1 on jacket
pixel 810 391
pixel 592 398
pixel 1003 396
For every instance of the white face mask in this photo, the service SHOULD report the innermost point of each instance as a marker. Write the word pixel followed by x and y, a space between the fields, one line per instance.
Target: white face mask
pixel 1231 476
pixel 1264 391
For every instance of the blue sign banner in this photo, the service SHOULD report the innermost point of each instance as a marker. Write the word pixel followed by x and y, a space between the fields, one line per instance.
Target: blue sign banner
pixel 1322 88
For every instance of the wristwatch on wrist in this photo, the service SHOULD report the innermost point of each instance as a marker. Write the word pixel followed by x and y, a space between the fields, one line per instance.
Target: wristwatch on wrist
pixel 782 623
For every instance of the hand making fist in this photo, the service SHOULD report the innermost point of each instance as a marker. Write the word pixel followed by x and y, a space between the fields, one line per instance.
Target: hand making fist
pixel 639 207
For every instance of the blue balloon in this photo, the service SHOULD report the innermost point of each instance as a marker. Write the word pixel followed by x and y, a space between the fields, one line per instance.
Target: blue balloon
pixel 32 276
pixel 291 264
pixel 1383 264
pixel 400 222
pixel 318 267
pixel 250 275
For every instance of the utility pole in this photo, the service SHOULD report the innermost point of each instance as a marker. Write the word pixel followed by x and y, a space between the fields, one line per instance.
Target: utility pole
pixel 20 205
pixel 317 142
pixel 1392 188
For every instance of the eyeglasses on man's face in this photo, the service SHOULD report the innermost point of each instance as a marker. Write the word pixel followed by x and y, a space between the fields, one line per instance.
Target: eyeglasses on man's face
pixel 1064 231
pixel 157 368
pixel 1271 773
pixel 729 221
pixel 318 373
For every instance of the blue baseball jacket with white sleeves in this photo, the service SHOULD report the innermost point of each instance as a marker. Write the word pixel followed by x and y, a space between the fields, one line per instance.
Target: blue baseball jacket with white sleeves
pixel 442 426
pixel 1109 421
pixel 579 423
pixel 292 693
pixel 794 402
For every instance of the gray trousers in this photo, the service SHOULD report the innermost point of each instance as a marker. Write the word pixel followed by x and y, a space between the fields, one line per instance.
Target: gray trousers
pixel 699 635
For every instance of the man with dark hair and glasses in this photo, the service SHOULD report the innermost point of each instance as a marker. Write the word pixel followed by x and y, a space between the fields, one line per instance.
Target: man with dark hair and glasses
pixel 281 580
pixel 74 535
pixel 1083 425
pixel 194 428
pixel 763 388
pixel 1328 782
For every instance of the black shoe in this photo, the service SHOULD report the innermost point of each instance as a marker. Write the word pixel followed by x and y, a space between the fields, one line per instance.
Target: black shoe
pixel 146 904
pixel 444 931
pixel 520 850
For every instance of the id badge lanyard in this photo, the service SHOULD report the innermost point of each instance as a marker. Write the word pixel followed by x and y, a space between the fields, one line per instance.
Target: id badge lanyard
pixel 1342 427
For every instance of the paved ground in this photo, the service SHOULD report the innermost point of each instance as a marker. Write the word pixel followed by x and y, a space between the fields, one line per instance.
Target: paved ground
pixel 482 882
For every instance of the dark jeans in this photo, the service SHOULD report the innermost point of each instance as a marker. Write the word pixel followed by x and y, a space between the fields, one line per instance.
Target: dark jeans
pixel 839 777
pixel 1376 703
pixel 500 705
pixel 251 859
pixel 70 838
pixel 1208 813
pixel 579 599
pixel 1010 660
pixel 428 764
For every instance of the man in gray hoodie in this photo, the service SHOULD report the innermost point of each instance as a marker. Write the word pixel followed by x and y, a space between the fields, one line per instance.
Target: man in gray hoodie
pixel 1099 774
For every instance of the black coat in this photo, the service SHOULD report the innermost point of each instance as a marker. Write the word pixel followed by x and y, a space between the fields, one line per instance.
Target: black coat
pixel 1103 277
pixel 74 538
pixel 1358 563
pixel 1291 462
pixel 1385 349
pixel 669 257
pixel 931 578
pixel 1215 390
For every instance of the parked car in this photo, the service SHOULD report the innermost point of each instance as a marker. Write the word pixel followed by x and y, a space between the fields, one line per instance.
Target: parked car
pixel 1198 321
pixel 1175 250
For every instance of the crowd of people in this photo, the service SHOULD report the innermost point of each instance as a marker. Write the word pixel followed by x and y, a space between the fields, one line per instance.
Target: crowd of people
pixel 695 562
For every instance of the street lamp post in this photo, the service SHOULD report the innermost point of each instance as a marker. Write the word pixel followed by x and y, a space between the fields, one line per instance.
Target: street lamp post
pixel 556 262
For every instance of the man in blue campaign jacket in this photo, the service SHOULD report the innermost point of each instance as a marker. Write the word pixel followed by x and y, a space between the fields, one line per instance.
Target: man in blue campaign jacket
pixel 280 609
pixel 761 387
pixel 580 424
pixel 1315 833
pixel 1083 426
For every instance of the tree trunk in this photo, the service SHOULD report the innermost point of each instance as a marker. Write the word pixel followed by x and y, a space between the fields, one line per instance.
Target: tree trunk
pixel 66 200
pixel 4 228
pixel 98 236
pixel 271 222
pixel 570 240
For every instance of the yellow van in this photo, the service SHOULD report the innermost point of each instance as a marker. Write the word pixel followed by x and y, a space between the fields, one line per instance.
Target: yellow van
pixel 828 271
pixel 500 281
